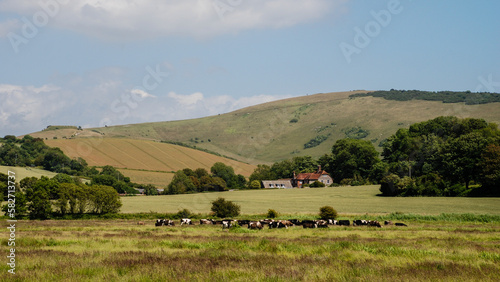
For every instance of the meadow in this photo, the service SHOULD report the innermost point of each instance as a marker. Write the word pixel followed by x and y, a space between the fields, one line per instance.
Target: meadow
pixel 112 250
pixel 23 172
pixel 346 200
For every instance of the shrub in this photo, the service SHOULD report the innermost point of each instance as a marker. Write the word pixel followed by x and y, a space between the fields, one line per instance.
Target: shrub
pixel 185 213
pixel 223 208
pixel 327 212
pixel 317 184
pixel 272 213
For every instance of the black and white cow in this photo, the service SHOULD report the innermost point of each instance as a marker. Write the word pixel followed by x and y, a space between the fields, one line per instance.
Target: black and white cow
pixel 207 221
pixel 186 221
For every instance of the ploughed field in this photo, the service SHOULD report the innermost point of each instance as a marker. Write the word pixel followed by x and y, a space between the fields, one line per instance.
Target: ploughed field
pixel 97 250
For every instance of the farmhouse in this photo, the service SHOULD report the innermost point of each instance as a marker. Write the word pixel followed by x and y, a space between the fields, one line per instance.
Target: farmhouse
pixel 299 180
pixel 308 178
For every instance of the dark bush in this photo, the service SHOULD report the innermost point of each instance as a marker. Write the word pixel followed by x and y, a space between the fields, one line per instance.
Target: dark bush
pixel 222 208
pixel 327 212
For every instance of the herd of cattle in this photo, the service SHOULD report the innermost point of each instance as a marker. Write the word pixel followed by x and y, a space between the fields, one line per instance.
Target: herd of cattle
pixel 227 223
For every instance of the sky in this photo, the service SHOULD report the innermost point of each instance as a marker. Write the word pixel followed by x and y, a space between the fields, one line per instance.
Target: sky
pixel 92 63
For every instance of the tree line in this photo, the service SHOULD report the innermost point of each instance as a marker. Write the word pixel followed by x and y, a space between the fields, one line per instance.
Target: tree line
pixel 445 156
pixel 43 198
pixel 467 97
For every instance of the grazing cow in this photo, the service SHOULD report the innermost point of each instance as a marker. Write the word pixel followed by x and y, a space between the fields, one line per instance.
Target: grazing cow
pixel 296 222
pixel 140 223
pixel 168 222
pixel 309 224
pixel 332 222
pixel 400 224
pixel 228 223
pixel 186 221
pixel 387 222
pixel 322 224
pixel 255 225
pixel 374 223
pixel 207 221
pixel 159 222
pixel 344 222
pixel 242 222
pixel 359 222
pixel 280 224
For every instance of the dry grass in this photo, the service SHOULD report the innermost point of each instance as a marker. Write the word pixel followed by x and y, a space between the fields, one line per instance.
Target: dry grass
pixel 122 250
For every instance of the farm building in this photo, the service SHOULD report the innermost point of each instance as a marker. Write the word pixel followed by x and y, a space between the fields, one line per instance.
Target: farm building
pixel 280 183
pixel 299 180
pixel 308 178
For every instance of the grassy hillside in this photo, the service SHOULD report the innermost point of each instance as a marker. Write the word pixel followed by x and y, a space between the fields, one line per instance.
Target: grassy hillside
pixel 23 172
pixel 279 130
pixel 346 200
pixel 143 161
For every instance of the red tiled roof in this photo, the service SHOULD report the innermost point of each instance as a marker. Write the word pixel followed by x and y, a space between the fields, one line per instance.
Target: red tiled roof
pixel 311 176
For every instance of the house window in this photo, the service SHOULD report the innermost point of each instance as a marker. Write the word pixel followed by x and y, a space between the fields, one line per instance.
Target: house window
pixel 271 185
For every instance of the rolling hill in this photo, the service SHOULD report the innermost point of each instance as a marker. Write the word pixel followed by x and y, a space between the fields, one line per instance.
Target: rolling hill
pixel 265 133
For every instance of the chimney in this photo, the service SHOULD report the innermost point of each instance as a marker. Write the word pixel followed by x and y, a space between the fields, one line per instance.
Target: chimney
pixel 294 176
pixel 319 168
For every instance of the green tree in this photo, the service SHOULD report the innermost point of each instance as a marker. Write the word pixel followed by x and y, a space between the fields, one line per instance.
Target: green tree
pixel 327 212
pixel 40 206
pixel 352 157
pixel 262 172
pixel 226 172
pixel 490 169
pixel 104 199
pixel 255 184
pixel 272 213
pixel 461 157
pixel 181 184
pixel 222 208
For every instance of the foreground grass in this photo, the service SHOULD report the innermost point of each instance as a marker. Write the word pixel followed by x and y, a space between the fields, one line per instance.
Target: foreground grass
pixel 122 250
pixel 354 200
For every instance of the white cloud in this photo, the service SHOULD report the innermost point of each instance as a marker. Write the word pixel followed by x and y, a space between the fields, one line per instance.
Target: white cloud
pixel 139 19
pixel 186 100
pixel 141 94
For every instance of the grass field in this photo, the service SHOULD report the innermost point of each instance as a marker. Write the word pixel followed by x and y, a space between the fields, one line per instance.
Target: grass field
pixel 22 172
pixel 346 200
pixel 121 250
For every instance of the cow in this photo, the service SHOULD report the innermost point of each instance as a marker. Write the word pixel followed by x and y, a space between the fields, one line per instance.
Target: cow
pixel 266 221
pixel 280 224
pixel 309 224
pixel 168 222
pixel 400 224
pixel 186 221
pixel 387 222
pixel 296 222
pixel 374 223
pixel 159 222
pixel 332 222
pixel 207 221
pixel 344 222
pixel 140 223
pixel 242 222
pixel 228 223
pixel 322 224
pixel 359 222
pixel 255 225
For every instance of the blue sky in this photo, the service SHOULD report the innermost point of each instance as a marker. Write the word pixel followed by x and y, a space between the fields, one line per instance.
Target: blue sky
pixel 91 62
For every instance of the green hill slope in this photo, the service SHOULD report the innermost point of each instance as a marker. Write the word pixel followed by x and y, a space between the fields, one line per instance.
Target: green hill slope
pixel 307 125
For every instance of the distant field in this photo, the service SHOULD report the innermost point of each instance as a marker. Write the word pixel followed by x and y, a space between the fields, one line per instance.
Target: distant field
pixel 22 172
pixel 143 161
pixel 346 200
